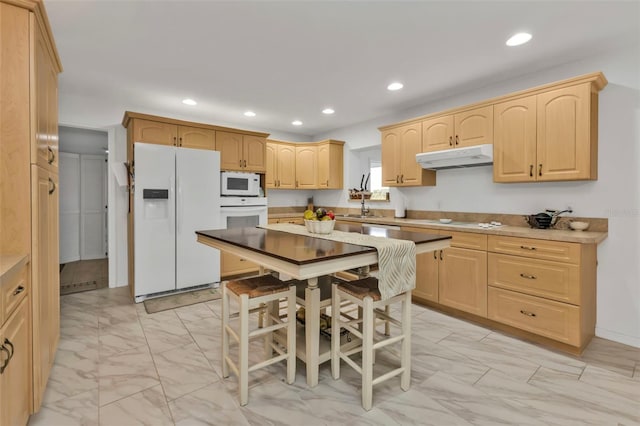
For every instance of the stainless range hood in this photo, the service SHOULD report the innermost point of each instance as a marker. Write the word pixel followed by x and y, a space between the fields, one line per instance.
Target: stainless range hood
pixel 472 156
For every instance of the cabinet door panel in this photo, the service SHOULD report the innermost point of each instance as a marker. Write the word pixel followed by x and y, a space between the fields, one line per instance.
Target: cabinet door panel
pixel 474 127
pixel 463 280
pixel 54 267
pixel 410 145
pixel 40 154
pixel 514 144
pixel 390 158
pixel 271 159
pixel 306 167
pixel 230 147
pixel 427 276
pixel 564 144
pixel 254 153
pixel 230 264
pixel 52 116
pixel 286 166
pixel 154 132
pixel 437 134
pixel 194 137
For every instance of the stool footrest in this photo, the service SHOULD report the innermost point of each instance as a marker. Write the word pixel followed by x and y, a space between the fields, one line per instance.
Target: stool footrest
pixel 349 361
pixel 267 362
pixel 386 342
pixel 265 330
pixel 388 375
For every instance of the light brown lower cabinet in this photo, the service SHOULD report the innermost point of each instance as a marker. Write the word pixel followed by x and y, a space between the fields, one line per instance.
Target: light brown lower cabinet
pixel 15 367
pixel 294 219
pixel 540 287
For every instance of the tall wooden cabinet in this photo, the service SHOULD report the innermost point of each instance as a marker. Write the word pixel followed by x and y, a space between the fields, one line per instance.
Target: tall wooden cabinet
pixel 29 68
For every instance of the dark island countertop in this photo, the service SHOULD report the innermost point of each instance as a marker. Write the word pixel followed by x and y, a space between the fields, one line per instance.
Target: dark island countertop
pixel 301 249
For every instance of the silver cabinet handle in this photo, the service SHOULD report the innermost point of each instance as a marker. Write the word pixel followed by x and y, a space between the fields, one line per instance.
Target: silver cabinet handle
pixel 18 290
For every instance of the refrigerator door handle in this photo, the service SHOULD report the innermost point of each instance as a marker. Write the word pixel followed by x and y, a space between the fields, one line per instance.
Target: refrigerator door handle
pixel 179 207
pixel 172 204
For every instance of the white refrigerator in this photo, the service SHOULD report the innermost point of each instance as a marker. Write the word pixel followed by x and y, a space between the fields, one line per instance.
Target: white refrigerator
pixel 176 192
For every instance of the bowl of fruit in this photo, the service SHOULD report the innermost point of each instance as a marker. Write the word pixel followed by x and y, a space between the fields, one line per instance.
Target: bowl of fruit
pixel 319 221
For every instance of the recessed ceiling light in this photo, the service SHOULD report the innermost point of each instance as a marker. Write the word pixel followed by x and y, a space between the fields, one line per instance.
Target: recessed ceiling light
pixel 250 114
pixel 189 102
pixel 395 86
pixel 296 123
pixel 518 39
pixel 328 111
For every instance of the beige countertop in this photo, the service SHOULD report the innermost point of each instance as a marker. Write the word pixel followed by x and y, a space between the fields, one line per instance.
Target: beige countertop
pixel 10 263
pixel 582 237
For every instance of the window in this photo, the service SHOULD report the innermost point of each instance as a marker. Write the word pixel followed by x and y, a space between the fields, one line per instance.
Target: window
pixel 378 192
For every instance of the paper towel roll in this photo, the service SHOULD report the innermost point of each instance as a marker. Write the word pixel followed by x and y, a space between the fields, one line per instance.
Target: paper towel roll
pixel 401 211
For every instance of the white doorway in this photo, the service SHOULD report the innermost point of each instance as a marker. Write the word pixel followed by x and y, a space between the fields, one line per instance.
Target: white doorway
pixel 69 170
pixel 93 206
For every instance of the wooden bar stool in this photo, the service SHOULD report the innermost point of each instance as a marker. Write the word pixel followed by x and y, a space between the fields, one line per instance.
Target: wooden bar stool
pixel 365 294
pixel 251 295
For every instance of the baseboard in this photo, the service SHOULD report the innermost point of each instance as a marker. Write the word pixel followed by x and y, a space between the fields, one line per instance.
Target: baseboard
pixel 618 337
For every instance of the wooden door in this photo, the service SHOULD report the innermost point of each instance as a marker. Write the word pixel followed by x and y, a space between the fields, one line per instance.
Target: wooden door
pixel 254 153
pixel 230 147
pixel 42 292
pixel 154 132
pixel 427 276
pixel 41 152
pixel 306 167
pixel 437 133
pixel 53 321
pixel 564 144
pixel 286 166
pixel 15 381
pixel 514 141
pixel 391 157
pixel 463 280
pixel 52 116
pixel 197 138
pixel 271 175
pixel 410 145
pixel 473 127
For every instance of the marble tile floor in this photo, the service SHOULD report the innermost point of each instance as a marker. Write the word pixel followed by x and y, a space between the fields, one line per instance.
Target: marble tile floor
pixel 118 365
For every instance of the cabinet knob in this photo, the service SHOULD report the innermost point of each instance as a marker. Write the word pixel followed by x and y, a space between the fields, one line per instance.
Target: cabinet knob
pixel 244 163
pixel 435 256
pixel 531 170
pixel 540 169
pixel 18 290
pixel 175 141
pixel 457 141
pixel 450 140
pixel 527 313
pixel 240 163
pixel 401 178
pixel 180 141
pixel 441 255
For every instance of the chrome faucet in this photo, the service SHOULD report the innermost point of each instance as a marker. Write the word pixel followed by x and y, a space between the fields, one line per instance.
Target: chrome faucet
pixel 363 210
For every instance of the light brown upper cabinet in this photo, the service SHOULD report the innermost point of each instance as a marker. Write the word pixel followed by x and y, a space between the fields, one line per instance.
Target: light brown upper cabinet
pixel 306 166
pixel 466 128
pixel 551 136
pixel 399 148
pixel 281 165
pixel 240 152
pixel 330 164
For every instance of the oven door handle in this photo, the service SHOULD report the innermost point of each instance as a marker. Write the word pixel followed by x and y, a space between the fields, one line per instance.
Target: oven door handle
pixel 245 210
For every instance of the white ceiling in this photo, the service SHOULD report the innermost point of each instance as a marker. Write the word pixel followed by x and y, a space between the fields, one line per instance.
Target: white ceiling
pixel 288 60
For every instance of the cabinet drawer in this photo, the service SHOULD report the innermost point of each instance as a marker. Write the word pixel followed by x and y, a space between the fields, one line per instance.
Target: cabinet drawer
pixel 467 240
pixel 539 249
pixel 555 320
pixel 553 280
pixel 230 264
pixel 14 288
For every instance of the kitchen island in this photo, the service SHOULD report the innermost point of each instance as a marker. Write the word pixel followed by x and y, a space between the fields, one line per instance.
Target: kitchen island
pixel 307 258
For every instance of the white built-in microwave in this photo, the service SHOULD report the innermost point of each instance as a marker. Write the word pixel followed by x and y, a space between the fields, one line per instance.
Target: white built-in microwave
pixel 240 183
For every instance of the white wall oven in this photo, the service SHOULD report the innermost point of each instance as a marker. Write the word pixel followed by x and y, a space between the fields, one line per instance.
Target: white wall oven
pixel 240 184
pixel 243 212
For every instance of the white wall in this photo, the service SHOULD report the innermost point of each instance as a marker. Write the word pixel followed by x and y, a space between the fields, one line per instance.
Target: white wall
pixel 82 141
pixel 615 195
